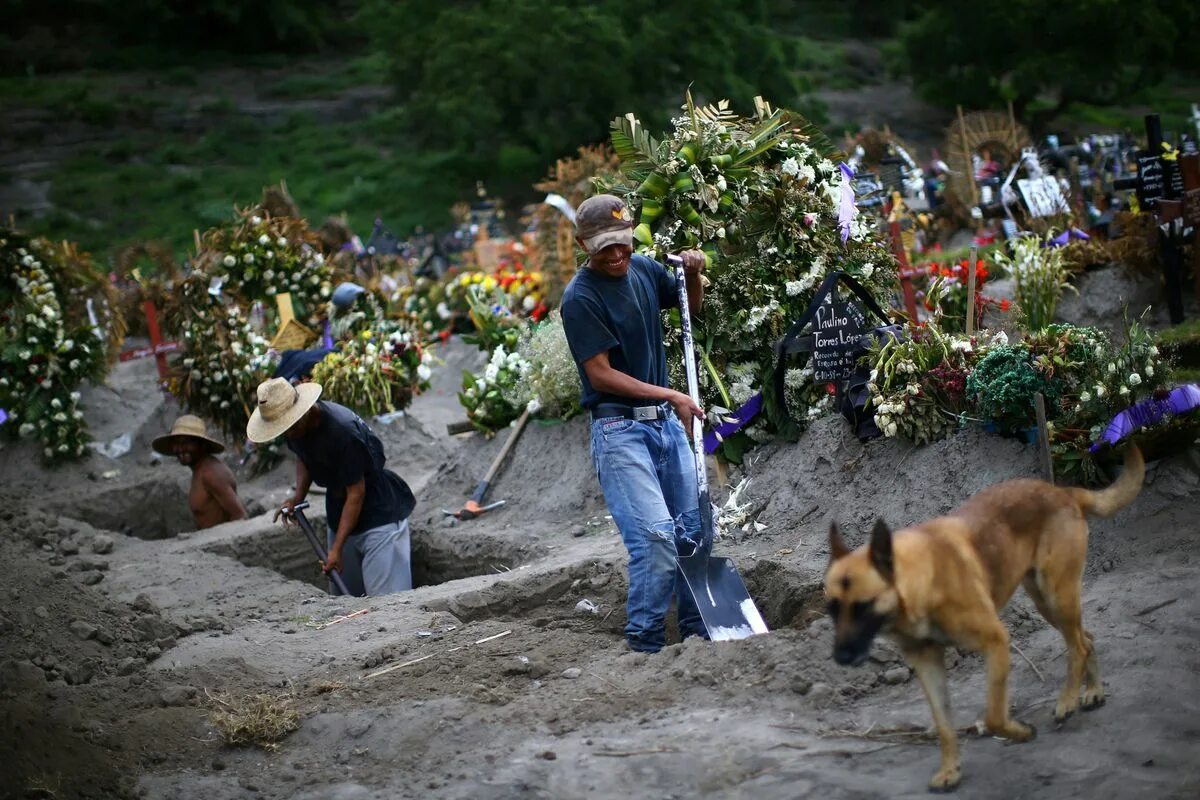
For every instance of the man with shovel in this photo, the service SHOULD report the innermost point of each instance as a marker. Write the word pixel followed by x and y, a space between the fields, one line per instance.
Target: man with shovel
pixel 367 506
pixel 611 312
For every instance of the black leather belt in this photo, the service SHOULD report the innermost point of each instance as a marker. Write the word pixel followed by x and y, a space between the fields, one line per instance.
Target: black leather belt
pixel 639 413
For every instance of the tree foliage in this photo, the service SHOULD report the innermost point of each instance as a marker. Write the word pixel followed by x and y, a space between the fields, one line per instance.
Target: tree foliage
pixel 1095 51
pixel 510 85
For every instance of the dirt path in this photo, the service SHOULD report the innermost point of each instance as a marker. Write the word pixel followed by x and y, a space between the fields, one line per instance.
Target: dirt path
pixel 113 642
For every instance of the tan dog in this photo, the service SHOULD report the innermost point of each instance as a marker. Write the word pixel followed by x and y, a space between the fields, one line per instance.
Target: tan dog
pixel 944 581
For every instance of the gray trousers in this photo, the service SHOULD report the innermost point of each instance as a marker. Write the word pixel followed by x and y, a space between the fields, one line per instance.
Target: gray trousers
pixel 377 561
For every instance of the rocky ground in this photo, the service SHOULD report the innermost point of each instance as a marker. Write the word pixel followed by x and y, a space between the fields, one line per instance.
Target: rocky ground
pixel 122 634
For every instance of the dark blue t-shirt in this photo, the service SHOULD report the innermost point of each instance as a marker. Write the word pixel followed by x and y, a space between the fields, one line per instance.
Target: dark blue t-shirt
pixel 343 450
pixel 621 316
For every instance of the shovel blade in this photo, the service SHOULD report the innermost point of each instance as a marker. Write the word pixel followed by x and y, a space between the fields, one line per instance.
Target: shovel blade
pixel 725 606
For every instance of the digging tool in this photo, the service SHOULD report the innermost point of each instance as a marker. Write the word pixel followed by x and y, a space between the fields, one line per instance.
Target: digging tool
pixel 474 507
pixel 725 606
pixel 306 526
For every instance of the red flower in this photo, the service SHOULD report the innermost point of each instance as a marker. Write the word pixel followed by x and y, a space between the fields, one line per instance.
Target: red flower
pixel 1005 304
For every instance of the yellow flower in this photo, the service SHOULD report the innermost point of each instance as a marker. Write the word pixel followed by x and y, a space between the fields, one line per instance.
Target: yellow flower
pixel 366 334
pixel 489 283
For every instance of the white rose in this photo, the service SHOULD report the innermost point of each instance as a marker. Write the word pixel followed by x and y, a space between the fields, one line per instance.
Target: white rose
pixel 891 430
pixel 55 403
pixel 281 242
pixel 1099 390
pixel 1084 397
pixel 1112 367
pixel 270 254
pixel 25 429
pixel 248 258
pixel 1149 370
pixel 1134 379
pixel 264 240
pixel 255 220
pixel 424 372
pixel 229 261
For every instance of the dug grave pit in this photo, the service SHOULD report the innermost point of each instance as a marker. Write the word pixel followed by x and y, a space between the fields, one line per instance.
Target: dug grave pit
pixel 148 507
pixel 437 557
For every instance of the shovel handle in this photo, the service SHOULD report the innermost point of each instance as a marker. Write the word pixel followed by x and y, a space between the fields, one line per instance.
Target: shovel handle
pixel 707 529
pixel 310 534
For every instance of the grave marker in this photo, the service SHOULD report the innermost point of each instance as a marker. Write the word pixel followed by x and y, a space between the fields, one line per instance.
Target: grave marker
pixel 837 328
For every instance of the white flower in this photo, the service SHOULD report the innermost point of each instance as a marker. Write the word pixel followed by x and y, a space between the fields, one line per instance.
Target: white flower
pixel 533 406
pixel 74 365
pixel 721 232
pixel 264 240
pixel 528 304
pixel 248 258
pixel 1111 367
pixel 1000 339
pixel 229 261
pixel 490 373
pixel 1100 390
pixel 890 431
pixel 1134 379
pixel 790 167
pixel 868 270
pixel 1154 350
pixel 1084 397
pixel 1149 370
pixel 68 345
pixel 49 452
pixel 961 345
pixel 426 357
pixel 1123 390
pixel 55 403
pixel 270 254
pixel 281 242
pixel 25 355
pixel 424 372
pixel 255 220
pixel 25 429
pixel 59 417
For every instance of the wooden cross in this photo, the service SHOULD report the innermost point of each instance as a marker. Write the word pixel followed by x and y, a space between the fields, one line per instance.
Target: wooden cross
pixel 158 348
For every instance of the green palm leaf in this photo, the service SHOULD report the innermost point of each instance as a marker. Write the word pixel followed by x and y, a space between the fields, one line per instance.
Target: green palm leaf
pixel 636 148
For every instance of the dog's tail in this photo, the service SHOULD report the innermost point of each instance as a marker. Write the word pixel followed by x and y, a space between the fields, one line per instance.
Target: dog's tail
pixel 1111 500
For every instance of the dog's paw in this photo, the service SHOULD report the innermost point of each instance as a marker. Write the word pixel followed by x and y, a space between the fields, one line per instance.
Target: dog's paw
pixel 1017 731
pixel 1063 712
pixel 945 779
pixel 1092 699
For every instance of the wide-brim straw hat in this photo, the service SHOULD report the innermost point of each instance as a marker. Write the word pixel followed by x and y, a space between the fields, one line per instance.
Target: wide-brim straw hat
pixel 280 406
pixel 186 427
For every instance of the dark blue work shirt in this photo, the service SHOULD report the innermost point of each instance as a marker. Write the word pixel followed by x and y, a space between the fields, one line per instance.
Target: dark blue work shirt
pixel 343 450
pixel 621 316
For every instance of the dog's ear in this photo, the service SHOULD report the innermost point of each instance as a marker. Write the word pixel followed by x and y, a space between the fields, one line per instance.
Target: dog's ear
pixel 881 550
pixel 837 548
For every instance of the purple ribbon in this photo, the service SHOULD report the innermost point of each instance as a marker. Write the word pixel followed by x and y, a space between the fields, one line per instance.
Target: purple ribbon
pixel 1178 401
pixel 741 418
pixel 328 336
pixel 3 416
pixel 846 201
pixel 1066 236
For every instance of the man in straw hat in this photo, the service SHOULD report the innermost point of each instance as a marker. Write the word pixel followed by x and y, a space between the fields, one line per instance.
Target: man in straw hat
pixel 367 506
pixel 213 497
pixel 612 316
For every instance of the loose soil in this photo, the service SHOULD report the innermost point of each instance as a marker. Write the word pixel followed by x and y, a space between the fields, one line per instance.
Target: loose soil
pixel 119 628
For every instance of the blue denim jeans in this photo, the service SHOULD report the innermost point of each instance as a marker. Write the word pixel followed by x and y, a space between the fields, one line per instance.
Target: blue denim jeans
pixel 648 476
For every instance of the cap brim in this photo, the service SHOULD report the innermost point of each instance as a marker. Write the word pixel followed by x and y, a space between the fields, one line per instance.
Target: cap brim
pixel 162 444
pixel 602 240
pixel 260 431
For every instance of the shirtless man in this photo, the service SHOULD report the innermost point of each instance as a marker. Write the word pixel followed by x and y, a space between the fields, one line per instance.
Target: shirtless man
pixel 213 496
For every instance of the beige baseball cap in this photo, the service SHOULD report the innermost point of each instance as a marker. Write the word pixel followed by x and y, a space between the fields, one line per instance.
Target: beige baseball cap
pixel 604 220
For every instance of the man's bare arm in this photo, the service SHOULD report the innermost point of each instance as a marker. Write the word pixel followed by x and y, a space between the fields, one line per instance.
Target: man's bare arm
pixel 223 488
pixel 355 493
pixel 604 378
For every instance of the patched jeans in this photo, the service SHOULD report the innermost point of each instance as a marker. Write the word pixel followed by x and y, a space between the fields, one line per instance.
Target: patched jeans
pixel 648 475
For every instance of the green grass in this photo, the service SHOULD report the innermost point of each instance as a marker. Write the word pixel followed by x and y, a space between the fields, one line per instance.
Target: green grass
pixel 357 72
pixel 1186 331
pixel 154 186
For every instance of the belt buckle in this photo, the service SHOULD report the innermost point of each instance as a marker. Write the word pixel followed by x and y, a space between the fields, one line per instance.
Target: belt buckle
pixel 645 413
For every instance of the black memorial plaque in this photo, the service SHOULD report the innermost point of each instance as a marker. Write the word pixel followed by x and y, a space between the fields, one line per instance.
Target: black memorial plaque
pixel 837 327
pixel 1151 181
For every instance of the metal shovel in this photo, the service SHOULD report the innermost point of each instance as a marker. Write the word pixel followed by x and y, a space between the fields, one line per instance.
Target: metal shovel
pixel 725 606
pixel 306 526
